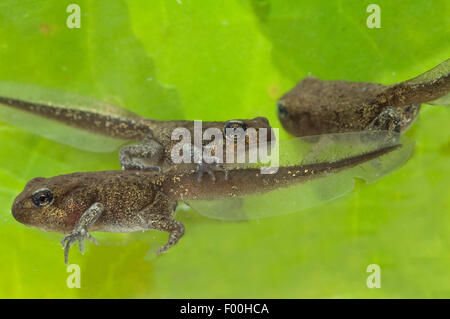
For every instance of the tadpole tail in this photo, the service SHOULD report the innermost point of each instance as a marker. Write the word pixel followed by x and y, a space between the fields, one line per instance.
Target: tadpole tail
pixel 427 87
pixel 185 186
pixel 89 120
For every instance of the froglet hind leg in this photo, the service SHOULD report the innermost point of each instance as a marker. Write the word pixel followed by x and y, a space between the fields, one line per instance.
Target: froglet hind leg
pixel 160 216
pixel 388 120
pixel 144 156
pixel 173 227
pixel 80 232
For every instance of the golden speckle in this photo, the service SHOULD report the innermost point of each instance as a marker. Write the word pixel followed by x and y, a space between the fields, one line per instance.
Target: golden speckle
pixel 47 29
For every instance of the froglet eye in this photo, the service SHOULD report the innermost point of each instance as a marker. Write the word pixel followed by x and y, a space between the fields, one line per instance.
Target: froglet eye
pixel 282 111
pixel 42 197
pixel 234 129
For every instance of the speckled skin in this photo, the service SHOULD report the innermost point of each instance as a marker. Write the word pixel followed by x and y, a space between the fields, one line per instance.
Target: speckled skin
pixel 155 136
pixel 316 107
pixel 161 143
pixel 127 201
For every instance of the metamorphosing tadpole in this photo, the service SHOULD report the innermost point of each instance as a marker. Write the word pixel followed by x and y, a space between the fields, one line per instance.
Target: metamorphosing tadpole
pixel 93 125
pixel 311 171
pixel 315 106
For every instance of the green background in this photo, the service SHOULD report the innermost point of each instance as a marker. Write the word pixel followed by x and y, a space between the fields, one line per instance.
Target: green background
pixel 216 60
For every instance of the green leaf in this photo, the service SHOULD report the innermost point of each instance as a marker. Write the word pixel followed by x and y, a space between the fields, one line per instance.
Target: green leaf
pixel 218 60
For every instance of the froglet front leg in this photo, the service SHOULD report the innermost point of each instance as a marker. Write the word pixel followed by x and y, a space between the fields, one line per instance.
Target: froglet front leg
pixel 208 163
pixel 80 232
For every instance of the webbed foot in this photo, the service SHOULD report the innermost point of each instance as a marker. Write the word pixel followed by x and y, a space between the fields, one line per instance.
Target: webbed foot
pixel 389 120
pixel 209 168
pixel 80 231
pixel 166 224
pixel 175 229
pixel 70 239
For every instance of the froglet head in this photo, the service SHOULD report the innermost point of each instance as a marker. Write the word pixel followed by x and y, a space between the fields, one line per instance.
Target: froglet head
pixel 315 107
pixel 47 203
pixel 260 126
pixel 295 107
pixel 249 133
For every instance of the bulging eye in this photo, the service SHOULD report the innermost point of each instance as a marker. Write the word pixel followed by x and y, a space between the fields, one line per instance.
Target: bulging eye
pixel 42 197
pixel 234 129
pixel 282 111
